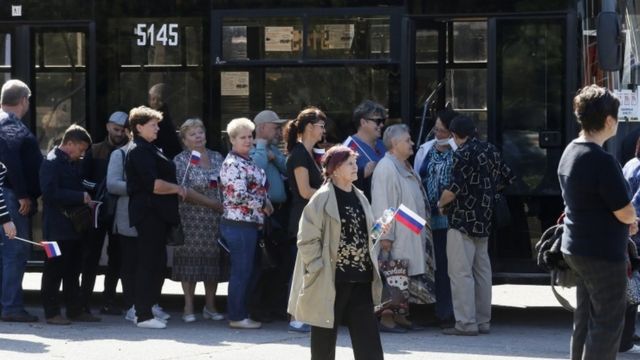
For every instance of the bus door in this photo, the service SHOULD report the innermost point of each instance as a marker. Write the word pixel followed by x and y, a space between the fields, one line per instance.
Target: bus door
pixel 54 60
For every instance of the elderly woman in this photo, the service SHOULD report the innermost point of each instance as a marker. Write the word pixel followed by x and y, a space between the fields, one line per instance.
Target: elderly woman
pixel 433 162
pixel 199 258
pixel 304 173
pixel 394 182
pixel 336 279
pixel 153 210
pixel 245 206
pixel 599 219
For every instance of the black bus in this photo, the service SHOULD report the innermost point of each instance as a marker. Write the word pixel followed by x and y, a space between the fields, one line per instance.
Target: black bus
pixel 513 65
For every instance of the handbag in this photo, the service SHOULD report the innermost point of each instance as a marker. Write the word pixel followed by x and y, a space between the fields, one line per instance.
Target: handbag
pixel 633 289
pixel 175 236
pixel 266 259
pixel 502 214
pixel 80 216
pixel 395 288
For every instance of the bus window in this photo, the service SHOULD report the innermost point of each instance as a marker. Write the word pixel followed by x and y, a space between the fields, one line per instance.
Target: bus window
pixel 5 56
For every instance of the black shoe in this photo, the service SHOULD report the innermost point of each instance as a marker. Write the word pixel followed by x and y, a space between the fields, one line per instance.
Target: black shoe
pixel 111 310
pixel 21 316
pixel 635 338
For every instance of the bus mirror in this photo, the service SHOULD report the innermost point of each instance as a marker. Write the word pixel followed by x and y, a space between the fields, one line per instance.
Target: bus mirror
pixel 609 42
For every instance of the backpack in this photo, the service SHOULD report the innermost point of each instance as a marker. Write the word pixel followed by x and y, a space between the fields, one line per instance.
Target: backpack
pixel 549 258
pixel 107 210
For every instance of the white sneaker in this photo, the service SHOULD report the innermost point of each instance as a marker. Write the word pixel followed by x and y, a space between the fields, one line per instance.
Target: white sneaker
pixel 189 318
pixel 213 315
pixel 634 350
pixel 157 312
pixel 131 314
pixel 152 324
pixel 245 324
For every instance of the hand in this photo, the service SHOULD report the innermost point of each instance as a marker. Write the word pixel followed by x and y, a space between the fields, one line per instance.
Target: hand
pixel 9 229
pixel 270 155
pixel 182 192
pixel 368 169
pixel 87 198
pixel 633 228
pixel 267 208
pixel 25 206
pixel 386 245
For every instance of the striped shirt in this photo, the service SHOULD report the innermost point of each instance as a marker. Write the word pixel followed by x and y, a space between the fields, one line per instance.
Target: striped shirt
pixel 4 212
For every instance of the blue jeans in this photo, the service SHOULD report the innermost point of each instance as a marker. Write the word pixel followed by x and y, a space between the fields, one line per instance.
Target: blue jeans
pixel 13 257
pixel 601 304
pixel 444 304
pixel 241 241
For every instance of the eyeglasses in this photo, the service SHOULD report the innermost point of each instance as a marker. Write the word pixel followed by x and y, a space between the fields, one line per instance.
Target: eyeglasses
pixel 319 125
pixel 378 121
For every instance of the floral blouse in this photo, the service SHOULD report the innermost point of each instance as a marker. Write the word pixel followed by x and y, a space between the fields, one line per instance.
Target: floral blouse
pixel 243 188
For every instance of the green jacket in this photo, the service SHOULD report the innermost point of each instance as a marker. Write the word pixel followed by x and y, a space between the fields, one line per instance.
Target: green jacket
pixel 313 290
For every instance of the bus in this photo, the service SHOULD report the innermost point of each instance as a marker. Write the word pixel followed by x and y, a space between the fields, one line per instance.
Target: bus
pixel 512 65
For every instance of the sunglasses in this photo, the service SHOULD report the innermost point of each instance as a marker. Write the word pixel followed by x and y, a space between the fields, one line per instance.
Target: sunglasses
pixel 378 121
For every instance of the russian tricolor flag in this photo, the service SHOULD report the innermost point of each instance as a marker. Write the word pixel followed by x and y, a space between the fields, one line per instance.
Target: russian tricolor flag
pixel 350 143
pixel 213 182
pixel 318 153
pixel 51 248
pixel 410 219
pixel 195 157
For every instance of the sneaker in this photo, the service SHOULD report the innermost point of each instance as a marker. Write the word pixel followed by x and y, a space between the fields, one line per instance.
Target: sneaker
pixel 213 315
pixel 299 327
pixel 152 324
pixel 189 318
pixel 131 314
pixel 159 312
pixel 245 324
pixel 58 320
pixel 21 316
pixel 84 317
pixel 458 332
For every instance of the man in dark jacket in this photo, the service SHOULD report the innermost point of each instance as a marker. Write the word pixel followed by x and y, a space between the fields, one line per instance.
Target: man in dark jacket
pixel 63 198
pixel 94 172
pixel 20 153
pixel 167 139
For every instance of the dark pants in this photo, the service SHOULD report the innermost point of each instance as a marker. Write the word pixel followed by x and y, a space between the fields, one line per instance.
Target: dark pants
pixel 91 260
pixel 626 341
pixel 66 269
pixel 129 251
pixel 151 258
pixel 601 304
pixel 444 304
pixel 353 307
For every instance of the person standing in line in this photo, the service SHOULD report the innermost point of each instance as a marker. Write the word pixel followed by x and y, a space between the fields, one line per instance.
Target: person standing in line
pixel 22 157
pixel 273 287
pixel 153 210
pixel 94 172
pixel 199 258
pixel 304 173
pixel 336 278
pixel 477 177
pixel 368 119
pixel 599 218
pixel 66 220
pixel 246 204
pixel 8 226
pixel 167 140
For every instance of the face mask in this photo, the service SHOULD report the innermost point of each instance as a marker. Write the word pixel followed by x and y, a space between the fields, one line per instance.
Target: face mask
pixel 442 142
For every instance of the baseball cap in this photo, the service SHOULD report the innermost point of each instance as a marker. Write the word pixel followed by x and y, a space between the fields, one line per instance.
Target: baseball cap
pixel 119 118
pixel 267 116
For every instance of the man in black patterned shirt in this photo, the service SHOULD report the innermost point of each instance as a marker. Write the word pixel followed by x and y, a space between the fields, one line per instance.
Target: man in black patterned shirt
pixel 477 176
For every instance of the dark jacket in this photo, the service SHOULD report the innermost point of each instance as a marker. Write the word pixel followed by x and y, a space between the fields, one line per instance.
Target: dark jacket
pixel 21 155
pixel 146 163
pixel 4 211
pixel 94 164
pixel 167 138
pixel 62 188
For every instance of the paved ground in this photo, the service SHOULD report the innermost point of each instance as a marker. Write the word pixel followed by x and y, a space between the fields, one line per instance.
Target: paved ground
pixel 527 325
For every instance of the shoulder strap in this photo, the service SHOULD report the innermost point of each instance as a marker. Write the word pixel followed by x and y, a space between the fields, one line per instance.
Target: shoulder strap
pixel 564 302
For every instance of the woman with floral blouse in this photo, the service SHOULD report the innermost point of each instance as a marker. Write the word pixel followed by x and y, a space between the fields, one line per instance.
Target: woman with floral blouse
pixel 245 206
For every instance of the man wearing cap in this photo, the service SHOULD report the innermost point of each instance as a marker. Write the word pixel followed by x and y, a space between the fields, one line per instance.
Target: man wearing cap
pixel 272 290
pixel 94 171
pixel 477 177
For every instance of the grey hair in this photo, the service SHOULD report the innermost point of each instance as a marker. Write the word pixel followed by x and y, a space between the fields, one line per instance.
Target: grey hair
pixel 190 124
pixel 236 125
pixel 365 109
pixel 13 91
pixel 392 132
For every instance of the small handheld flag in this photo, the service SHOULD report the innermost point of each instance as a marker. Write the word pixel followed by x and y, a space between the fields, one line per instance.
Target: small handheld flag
pixel 213 182
pixel 318 153
pixel 51 248
pixel 410 219
pixel 352 144
pixel 195 157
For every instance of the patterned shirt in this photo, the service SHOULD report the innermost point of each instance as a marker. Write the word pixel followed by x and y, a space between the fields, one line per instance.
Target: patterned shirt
pixel 354 262
pixel 4 212
pixel 478 172
pixel 244 189
pixel 435 173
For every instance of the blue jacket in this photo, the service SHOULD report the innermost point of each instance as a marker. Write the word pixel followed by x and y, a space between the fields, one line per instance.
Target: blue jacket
pixel 62 188
pixel 21 154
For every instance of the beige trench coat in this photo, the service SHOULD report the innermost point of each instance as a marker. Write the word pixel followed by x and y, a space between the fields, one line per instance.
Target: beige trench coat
pixel 313 290
pixel 394 184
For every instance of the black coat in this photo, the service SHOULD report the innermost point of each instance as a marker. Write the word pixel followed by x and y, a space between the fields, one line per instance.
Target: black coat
pixel 167 137
pixel 145 164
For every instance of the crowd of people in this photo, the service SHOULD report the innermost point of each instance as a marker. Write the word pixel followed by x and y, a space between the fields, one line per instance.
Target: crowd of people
pixel 291 232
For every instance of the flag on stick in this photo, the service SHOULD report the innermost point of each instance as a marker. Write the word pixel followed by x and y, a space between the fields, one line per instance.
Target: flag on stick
pixel 51 248
pixel 410 219
pixel 195 157
pixel 353 145
pixel 318 153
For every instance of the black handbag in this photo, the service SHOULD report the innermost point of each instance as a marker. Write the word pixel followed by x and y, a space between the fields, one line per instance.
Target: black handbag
pixel 501 212
pixel 266 259
pixel 175 236
pixel 80 216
